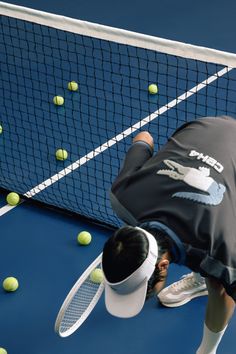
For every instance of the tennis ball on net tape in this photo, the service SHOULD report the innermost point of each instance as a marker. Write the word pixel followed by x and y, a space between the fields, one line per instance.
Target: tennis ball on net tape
pixel 84 238
pixel 3 351
pixel 1 129
pixel 58 100
pixel 10 284
pixel 61 154
pixel 153 89
pixel 73 86
pixel 96 276
pixel 13 198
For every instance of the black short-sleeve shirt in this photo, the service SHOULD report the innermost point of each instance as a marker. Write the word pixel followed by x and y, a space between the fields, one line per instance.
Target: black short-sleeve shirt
pixel 190 186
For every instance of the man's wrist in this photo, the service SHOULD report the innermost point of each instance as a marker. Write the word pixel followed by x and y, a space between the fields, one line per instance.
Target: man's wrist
pixel 145 137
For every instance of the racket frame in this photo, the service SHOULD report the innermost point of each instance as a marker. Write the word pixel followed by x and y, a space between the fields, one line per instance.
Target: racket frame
pixel 70 297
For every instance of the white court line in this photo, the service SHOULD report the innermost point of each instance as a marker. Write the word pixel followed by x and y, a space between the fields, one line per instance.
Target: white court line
pixel 6 208
pixel 55 178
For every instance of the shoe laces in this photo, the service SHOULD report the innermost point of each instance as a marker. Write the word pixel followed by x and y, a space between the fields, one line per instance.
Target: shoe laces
pixel 186 282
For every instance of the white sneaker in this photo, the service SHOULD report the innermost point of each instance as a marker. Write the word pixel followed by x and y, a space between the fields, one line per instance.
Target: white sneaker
pixel 187 288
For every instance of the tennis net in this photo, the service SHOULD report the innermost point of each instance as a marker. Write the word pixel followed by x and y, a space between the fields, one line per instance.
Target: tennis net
pixel 41 53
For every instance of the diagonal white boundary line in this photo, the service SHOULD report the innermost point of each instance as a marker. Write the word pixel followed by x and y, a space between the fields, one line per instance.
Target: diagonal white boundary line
pixel 92 154
pixel 6 208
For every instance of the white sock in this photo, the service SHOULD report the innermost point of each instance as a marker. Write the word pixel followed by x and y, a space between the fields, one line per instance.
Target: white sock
pixel 210 341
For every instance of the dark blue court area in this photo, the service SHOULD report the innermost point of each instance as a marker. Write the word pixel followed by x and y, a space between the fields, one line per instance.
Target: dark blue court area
pixel 38 246
pixel 38 237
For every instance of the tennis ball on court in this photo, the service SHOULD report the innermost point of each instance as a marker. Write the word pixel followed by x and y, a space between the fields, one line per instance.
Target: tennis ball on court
pixel 84 238
pixel 61 154
pixel 97 276
pixel 152 89
pixel 13 198
pixel 73 86
pixel 58 100
pixel 1 133
pixel 3 351
pixel 10 284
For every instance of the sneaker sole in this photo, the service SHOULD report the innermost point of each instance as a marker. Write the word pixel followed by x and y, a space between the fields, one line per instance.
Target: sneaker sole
pixel 183 302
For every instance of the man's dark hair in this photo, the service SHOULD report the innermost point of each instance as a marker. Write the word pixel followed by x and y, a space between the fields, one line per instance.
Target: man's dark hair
pixel 127 249
pixel 123 253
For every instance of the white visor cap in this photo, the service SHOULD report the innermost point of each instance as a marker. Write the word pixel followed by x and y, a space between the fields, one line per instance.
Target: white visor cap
pixel 126 298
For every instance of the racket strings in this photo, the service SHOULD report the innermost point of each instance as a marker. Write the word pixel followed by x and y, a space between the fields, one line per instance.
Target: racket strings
pixel 79 304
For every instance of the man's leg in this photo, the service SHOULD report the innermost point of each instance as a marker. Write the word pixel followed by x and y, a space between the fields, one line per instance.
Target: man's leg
pixel 187 288
pixel 220 308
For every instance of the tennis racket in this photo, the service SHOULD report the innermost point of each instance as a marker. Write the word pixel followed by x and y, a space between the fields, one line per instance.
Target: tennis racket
pixel 79 302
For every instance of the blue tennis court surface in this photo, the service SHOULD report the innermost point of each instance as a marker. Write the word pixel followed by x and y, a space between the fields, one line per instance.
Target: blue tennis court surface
pixel 38 244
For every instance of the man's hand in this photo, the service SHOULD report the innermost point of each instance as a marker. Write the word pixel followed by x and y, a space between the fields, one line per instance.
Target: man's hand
pixel 146 137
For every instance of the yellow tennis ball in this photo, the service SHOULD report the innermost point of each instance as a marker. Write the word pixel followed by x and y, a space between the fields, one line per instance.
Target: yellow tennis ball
pixel 61 154
pixel 10 284
pixel 3 351
pixel 152 89
pixel 13 198
pixel 84 238
pixel 1 133
pixel 97 276
pixel 73 86
pixel 58 100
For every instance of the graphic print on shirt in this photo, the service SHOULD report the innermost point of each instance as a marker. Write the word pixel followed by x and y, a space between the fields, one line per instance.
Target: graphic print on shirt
pixel 196 178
